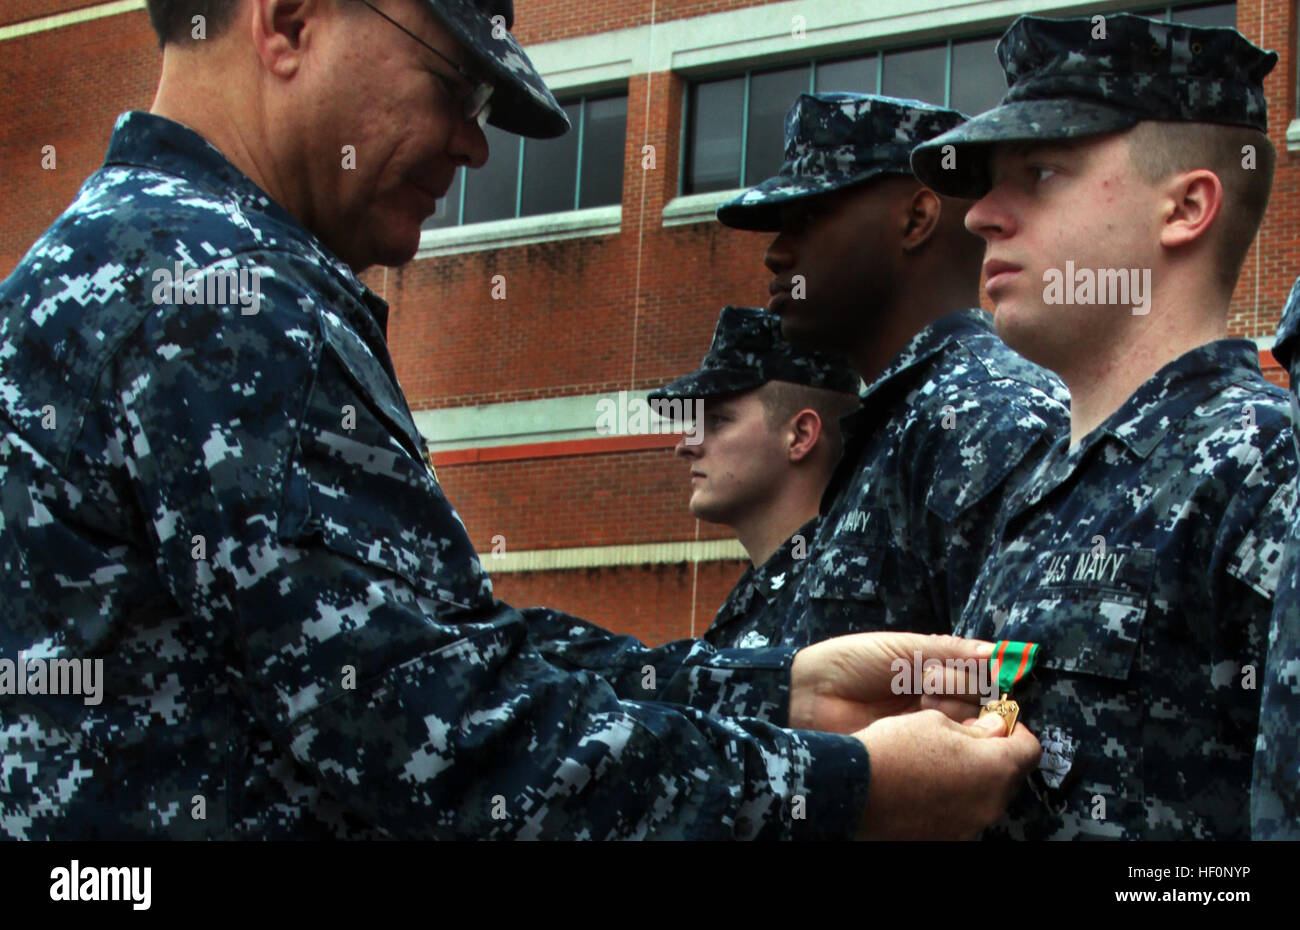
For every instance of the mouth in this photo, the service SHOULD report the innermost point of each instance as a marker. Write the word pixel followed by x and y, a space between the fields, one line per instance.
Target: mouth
pixel 433 192
pixel 997 274
pixel 697 474
pixel 780 291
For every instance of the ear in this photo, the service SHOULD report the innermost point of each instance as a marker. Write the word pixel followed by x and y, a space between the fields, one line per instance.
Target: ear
pixel 922 218
pixel 804 432
pixel 281 31
pixel 1189 204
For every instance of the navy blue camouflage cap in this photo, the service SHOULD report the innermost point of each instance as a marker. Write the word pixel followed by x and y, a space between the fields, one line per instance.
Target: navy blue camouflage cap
pixel 521 102
pixel 1071 78
pixel 1288 330
pixel 748 351
pixel 833 141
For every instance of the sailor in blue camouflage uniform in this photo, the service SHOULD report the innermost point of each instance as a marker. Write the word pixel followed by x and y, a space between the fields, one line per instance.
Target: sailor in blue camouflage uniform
pixel 1143 554
pixel 1275 789
pixel 211 481
pixel 761 456
pixel 868 260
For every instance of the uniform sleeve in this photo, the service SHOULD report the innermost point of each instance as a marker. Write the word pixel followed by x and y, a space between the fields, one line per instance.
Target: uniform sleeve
pixel 974 454
pixel 343 596
pixel 1275 787
pixel 732 682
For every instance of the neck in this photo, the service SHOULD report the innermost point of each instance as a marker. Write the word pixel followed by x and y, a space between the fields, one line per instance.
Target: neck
pixel 907 315
pixel 765 531
pixel 196 90
pixel 1101 381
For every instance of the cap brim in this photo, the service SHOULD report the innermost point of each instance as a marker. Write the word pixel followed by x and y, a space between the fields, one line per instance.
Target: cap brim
pixel 759 208
pixel 963 171
pixel 521 102
pixel 717 382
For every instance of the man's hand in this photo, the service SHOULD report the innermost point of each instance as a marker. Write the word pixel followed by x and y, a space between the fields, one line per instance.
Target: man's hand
pixel 845 684
pixel 935 779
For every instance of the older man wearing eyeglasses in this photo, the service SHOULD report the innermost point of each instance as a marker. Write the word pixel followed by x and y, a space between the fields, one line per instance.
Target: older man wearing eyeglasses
pixel 217 511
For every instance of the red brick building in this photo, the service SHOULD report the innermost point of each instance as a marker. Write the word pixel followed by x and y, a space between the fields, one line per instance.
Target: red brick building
pixel 568 271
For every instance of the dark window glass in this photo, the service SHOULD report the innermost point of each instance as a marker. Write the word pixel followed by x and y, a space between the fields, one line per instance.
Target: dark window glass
pixel 490 191
pixel 1217 14
pixel 857 76
pixel 604 138
pixel 551 170
pixel 917 73
pixel 977 79
pixel 448 207
pixel 770 97
pixel 715 135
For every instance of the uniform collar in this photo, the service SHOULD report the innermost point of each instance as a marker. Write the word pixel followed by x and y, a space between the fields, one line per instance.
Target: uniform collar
pixel 772 578
pixel 1174 391
pixel 145 140
pixel 930 341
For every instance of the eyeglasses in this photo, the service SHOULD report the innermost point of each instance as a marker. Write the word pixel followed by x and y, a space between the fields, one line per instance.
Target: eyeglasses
pixel 475 103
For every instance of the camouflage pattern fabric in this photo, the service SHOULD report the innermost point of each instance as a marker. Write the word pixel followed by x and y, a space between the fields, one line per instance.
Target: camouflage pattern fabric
pixel 521 102
pixel 945 433
pixel 748 351
pixel 1072 78
pixel 764 597
pixel 225 499
pixel 1144 562
pixel 1275 788
pixel 836 140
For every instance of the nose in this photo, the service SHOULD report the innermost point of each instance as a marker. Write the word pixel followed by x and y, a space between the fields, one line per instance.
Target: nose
pixel 779 257
pixel 990 217
pixel 468 144
pixel 686 451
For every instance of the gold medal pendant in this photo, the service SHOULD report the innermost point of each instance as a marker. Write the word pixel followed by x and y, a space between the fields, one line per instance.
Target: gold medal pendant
pixel 1006 708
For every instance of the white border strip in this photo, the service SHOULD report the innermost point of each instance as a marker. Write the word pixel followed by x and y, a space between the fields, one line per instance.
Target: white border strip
pixel 70 18
pixel 552 560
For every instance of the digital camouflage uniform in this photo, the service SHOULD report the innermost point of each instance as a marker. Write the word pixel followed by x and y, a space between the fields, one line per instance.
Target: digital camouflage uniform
pixel 1275 790
pixel 1145 559
pixel 233 510
pixel 945 432
pixel 747 352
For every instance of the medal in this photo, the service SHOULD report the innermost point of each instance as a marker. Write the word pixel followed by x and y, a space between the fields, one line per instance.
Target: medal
pixel 1011 662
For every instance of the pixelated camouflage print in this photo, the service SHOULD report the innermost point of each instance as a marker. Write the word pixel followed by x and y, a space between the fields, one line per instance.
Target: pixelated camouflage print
pixel 945 433
pixel 1064 83
pixel 1287 339
pixel 764 597
pixel 748 351
pixel 833 140
pixel 1275 787
pixel 521 102
pixel 1144 562
pixel 330 555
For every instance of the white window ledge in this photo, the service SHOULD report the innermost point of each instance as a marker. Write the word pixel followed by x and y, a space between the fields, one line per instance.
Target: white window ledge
pixel 697 208
pixel 1293 136
pixel 524 230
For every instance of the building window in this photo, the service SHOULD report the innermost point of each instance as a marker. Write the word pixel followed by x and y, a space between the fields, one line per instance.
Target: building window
pixel 525 177
pixel 735 125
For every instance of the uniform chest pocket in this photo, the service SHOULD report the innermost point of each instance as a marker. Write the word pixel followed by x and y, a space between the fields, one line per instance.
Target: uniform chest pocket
pixel 1086 611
